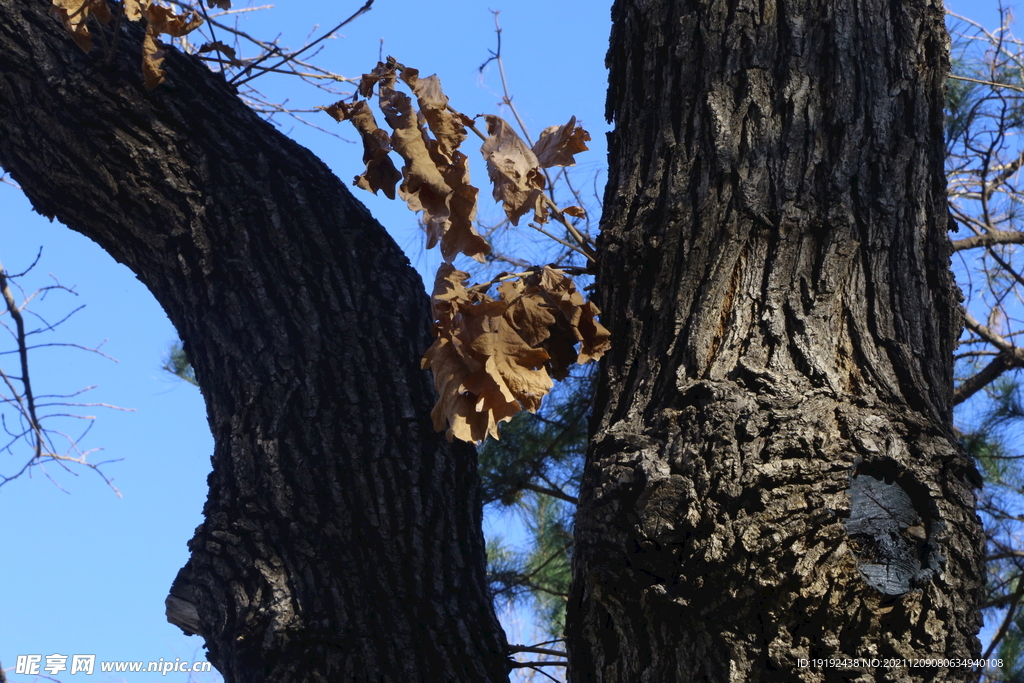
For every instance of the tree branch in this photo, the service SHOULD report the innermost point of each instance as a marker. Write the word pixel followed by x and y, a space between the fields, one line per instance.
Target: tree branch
pixel 989 239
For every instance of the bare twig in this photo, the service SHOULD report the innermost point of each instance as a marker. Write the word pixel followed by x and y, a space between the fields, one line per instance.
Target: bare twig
pixel 20 393
pixel 362 10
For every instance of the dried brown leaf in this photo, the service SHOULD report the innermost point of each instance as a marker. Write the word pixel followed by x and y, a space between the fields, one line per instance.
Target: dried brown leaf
pixel 514 171
pixel 548 312
pixel 514 374
pixel 152 61
pixel 423 186
pixel 380 173
pixel 160 20
pixel 435 180
pixel 380 72
pixel 221 4
pixel 447 127
pixel 448 287
pixel 527 312
pixel 452 362
pixel 578 317
pixel 460 237
pixel 134 9
pixel 484 371
pixel 163 20
pixel 217 46
pixel 594 337
pixel 454 406
pixel 557 144
pixel 575 211
pixel 74 14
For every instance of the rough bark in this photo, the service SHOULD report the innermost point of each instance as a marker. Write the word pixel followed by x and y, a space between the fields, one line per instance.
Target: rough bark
pixel 773 474
pixel 342 537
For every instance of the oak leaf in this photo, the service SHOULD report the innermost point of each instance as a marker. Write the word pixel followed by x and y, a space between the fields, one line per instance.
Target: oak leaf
pixel 451 361
pixel 447 127
pixel 380 72
pixel 380 173
pixel 423 187
pixel 460 237
pixel 435 175
pixel 455 406
pixel 529 313
pixel 152 61
pixel 160 20
pixel 218 46
pixel 514 374
pixel 484 371
pixel 514 170
pixel 74 14
pixel 577 317
pixel 134 9
pixel 557 144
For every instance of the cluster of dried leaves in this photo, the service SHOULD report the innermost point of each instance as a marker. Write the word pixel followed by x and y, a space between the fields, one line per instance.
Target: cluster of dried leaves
pixel 493 356
pixel 76 16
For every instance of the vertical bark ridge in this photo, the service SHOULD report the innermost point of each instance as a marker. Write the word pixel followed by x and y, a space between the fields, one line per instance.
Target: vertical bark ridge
pixel 775 273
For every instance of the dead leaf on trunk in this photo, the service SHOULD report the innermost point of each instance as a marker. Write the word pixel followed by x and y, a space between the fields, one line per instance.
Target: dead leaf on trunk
pixel 163 20
pixel 152 61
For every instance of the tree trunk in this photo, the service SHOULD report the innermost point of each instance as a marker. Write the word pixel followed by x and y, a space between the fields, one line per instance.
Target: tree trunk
pixel 342 536
pixel 773 475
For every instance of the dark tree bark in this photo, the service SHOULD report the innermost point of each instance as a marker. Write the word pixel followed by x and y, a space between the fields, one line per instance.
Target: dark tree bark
pixel 342 537
pixel 773 474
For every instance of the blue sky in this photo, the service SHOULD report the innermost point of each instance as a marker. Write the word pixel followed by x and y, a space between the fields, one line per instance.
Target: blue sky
pixel 86 572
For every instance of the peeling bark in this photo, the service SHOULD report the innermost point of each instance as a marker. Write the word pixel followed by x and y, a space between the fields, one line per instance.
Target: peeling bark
pixel 774 268
pixel 342 537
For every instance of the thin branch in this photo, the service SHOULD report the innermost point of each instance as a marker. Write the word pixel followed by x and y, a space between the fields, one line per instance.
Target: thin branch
pixel 518 665
pixel 551 492
pixel 1007 359
pixel 991 84
pixel 584 243
pixel 362 10
pixel 521 665
pixel 1008 619
pixel 991 337
pixel 989 239
pixel 537 650
pixel 26 383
